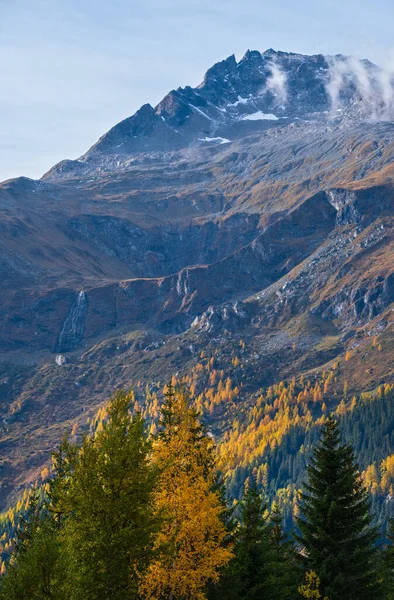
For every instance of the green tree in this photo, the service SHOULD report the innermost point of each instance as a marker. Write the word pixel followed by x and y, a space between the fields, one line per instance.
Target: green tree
pixel 33 573
pixel 253 549
pixel 109 533
pixel 247 575
pixel 284 571
pixel 63 462
pixel 337 539
pixel 387 563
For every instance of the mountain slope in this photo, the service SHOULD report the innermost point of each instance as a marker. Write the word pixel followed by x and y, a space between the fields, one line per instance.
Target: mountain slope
pixel 253 212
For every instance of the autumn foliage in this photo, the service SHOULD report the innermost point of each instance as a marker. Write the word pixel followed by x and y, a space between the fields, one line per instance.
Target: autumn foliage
pixel 193 533
pixel 146 505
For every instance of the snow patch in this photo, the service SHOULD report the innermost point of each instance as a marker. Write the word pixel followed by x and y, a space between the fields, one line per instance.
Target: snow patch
pixel 221 140
pixel 260 116
pixel 202 112
pixel 239 101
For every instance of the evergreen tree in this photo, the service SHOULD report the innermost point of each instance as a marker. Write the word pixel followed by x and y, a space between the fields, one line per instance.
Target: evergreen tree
pixel 193 541
pixel 337 540
pixel 109 533
pixel 28 524
pixel 33 572
pixel 253 549
pixel 247 575
pixel 63 462
pixel 388 563
pixel 284 571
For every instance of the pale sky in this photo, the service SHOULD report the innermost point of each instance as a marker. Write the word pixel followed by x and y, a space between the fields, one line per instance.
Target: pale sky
pixel 72 69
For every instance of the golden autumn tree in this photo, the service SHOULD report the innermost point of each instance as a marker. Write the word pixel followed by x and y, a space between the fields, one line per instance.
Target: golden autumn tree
pixel 193 539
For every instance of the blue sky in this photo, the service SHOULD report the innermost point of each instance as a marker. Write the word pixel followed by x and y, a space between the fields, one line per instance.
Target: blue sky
pixel 72 69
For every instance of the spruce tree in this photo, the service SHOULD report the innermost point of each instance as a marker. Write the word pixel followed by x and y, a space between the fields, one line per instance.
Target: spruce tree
pixel 337 541
pixel 387 565
pixel 253 549
pixel 284 571
pixel 247 575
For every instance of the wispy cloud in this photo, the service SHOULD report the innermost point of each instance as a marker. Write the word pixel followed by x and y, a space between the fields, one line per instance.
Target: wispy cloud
pixel 277 83
pixel 373 86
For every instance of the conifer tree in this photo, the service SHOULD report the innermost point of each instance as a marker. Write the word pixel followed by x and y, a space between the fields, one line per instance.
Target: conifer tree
pixel 28 524
pixel 33 573
pixel 388 563
pixel 337 539
pixel 63 462
pixel 284 571
pixel 248 574
pixel 253 549
pixel 109 535
pixel 193 540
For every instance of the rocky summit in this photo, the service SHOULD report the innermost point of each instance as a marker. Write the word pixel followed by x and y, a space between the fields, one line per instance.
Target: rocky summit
pixel 250 218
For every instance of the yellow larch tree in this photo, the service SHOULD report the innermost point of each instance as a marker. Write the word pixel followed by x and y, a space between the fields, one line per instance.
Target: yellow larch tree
pixel 193 539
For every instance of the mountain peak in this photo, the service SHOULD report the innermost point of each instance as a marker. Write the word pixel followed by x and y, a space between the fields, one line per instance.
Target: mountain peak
pixel 141 123
pixel 219 70
pixel 251 54
pixel 263 90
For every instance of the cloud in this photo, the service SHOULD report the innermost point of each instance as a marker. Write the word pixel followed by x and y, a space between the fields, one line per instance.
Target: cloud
pixel 277 82
pixel 371 87
pixel 336 80
pixel 385 79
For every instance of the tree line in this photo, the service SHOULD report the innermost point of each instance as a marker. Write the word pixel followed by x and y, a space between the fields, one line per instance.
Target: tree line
pixel 132 516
